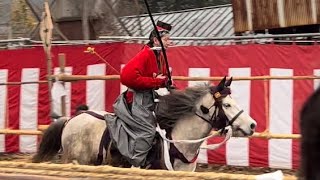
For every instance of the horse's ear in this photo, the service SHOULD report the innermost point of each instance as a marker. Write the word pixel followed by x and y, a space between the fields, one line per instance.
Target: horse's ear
pixel 228 83
pixel 221 84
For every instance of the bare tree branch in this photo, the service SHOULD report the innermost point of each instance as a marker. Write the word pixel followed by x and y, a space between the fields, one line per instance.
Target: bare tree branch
pixel 85 22
pixel 139 21
pixel 117 17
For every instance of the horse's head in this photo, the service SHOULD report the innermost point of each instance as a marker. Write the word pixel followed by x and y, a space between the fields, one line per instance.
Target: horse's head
pixel 213 104
pixel 227 112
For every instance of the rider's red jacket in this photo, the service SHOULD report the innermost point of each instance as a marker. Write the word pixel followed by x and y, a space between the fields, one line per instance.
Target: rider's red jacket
pixel 139 73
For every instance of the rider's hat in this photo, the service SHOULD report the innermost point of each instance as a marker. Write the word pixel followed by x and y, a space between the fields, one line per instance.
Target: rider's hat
pixel 163 29
pixel 162 26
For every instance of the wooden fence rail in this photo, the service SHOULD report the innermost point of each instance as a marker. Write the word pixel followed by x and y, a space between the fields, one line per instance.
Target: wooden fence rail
pixel 64 77
pixel 42 128
pixel 70 78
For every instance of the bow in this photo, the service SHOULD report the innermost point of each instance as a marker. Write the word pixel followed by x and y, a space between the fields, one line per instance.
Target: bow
pixel 161 44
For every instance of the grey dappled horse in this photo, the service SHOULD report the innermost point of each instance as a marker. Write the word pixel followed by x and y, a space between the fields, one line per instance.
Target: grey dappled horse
pixel 185 115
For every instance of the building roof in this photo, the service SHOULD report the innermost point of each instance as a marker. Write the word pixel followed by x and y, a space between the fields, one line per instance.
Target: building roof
pixel 5 16
pixel 38 6
pixel 215 21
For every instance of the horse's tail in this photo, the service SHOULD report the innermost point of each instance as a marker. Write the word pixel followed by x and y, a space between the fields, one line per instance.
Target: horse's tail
pixel 50 143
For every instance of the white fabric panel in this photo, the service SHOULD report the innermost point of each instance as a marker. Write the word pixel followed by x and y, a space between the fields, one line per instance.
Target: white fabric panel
pixel 3 106
pixel 29 109
pixel 67 86
pixel 281 103
pixel 123 88
pixel 96 88
pixel 316 82
pixel 237 149
pixel 200 72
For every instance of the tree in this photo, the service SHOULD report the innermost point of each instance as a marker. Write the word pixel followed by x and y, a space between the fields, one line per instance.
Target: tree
pixel 22 20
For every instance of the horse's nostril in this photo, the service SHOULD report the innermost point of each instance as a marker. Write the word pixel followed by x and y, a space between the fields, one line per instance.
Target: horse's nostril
pixel 253 125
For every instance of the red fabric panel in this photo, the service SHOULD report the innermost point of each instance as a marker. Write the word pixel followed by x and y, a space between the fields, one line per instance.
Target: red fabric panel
pixel 301 89
pixel 258 148
pixel 12 141
pixel 259 58
pixel 43 100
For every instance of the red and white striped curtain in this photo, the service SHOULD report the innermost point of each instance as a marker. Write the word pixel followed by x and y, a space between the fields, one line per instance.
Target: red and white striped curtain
pixel 275 105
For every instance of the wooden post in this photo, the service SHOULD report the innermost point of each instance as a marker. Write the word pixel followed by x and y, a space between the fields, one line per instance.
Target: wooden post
pixel 85 20
pixel 46 35
pixel 62 64
pixel 49 78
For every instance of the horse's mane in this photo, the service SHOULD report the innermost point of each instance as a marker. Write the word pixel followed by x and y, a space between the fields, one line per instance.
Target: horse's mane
pixel 310 136
pixel 177 104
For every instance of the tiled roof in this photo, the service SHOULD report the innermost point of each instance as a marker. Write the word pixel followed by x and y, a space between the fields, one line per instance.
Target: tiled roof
pixel 214 21
pixel 5 15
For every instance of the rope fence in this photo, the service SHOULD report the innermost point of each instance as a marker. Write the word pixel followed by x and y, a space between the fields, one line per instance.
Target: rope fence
pixel 21 132
pixel 63 77
pixel 70 78
pixel 262 135
pixel 108 172
pixel 41 128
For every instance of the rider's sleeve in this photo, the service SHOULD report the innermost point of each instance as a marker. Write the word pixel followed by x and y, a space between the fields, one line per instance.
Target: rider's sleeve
pixel 134 76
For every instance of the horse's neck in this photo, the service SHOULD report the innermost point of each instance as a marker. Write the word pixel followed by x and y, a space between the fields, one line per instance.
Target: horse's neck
pixel 190 128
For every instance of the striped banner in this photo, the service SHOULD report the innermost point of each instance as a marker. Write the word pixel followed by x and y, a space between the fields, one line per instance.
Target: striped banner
pixel 274 104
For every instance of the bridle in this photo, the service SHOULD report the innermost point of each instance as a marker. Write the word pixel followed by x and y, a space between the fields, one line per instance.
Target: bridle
pixel 218 114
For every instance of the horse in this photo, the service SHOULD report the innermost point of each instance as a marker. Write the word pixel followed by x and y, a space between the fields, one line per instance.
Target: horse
pixel 187 115
pixel 310 137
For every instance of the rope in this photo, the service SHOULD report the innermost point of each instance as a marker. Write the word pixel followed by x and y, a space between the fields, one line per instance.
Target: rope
pixel 108 172
pixel 91 50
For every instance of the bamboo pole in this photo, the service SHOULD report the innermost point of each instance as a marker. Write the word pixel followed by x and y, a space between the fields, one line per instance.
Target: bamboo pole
pixel 42 127
pixel 20 83
pixel 62 64
pixel 275 136
pixel 20 132
pixel 63 77
pixel 183 78
pixel 262 135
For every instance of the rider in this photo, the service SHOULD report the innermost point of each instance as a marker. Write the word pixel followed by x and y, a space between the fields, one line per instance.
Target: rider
pixel 147 70
pixel 134 121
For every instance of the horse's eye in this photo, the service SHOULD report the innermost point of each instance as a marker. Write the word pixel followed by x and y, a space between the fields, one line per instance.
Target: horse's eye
pixel 226 105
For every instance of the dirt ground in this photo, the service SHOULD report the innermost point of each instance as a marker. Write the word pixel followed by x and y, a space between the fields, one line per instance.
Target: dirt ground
pixel 200 168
